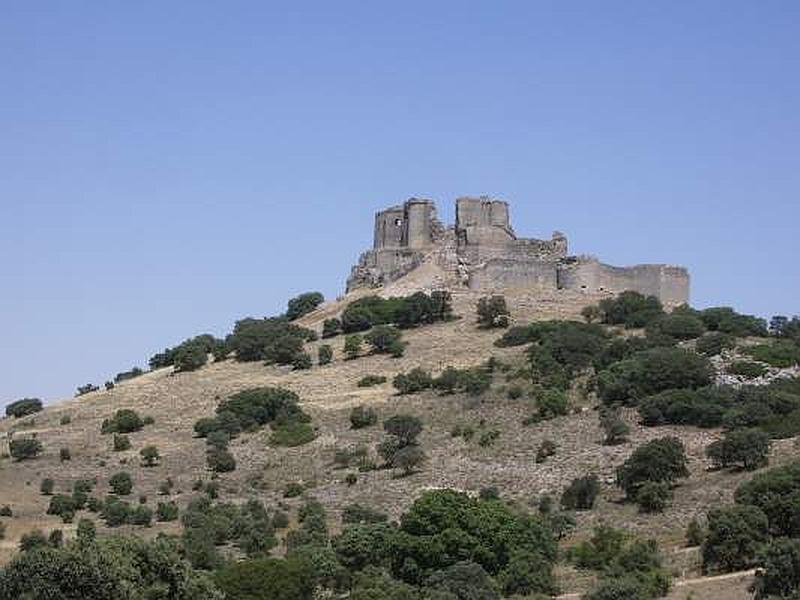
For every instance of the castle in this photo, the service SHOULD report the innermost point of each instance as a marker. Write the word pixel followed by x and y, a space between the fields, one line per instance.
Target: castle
pixel 482 252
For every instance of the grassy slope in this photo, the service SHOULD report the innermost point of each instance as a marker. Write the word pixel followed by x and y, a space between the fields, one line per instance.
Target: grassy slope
pixel 328 393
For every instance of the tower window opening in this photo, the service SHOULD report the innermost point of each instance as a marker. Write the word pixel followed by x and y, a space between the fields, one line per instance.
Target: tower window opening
pixel 398 222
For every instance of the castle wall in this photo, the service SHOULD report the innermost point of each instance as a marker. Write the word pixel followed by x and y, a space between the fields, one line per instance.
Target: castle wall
pixel 420 215
pixel 389 228
pixel 669 284
pixel 499 273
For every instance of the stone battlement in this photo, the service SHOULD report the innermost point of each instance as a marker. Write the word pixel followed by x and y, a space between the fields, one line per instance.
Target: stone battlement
pixel 482 252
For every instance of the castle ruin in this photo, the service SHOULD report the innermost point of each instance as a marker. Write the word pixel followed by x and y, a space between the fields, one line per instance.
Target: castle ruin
pixel 482 252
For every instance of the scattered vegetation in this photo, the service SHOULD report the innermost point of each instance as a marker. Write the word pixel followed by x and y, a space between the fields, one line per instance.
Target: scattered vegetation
pixel 24 407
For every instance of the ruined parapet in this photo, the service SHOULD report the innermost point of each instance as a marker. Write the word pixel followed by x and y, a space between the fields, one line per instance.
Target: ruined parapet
pixel 668 283
pixel 482 252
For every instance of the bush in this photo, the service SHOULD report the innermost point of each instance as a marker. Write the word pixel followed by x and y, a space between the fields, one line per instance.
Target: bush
pixel 581 493
pixel 123 421
pixel 220 460
pixel 630 309
pixel 386 339
pixel 142 516
pixel 273 340
pixel 660 460
pixel 695 534
pixel 653 496
pixel 776 492
pixel 735 537
pixel 189 357
pixel 616 430
pixel 546 449
pixel 408 459
pixel 86 389
pixel 679 326
pixel 747 448
pixel 747 369
pixel 121 443
pixel 25 448
pixel 265 579
pixel 779 575
pixel 412 382
pixel 121 483
pixel 302 361
pixel 65 420
pixel 64 454
pixel 404 427
pixel 293 490
pixel 24 407
pixel 726 320
pixel 31 541
pixel 125 375
pixel 324 354
pixel 303 304
pixel 331 328
pixel 371 380
pixel 361 416
pixel 651 372
pixel 150 456
pixel 781 353
pixel 46 487
pixel 250 409
pixel 493 312
pixel 292 434
pixel 712 344
pixel 6 511
pixel 352 346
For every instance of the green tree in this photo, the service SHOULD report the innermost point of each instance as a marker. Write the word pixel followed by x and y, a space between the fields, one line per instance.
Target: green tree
pixel 331 328
pixel 303 304
pixel 735 536
pixel 150 456
pixel 581 493
pixel 747 448
pixel 416 380
pixel 324 354
pixel 121 483
pixel 25 448
pixel 779 576
pixel 352 346
pixel 24 407
pixel 493 312
pixel 660 460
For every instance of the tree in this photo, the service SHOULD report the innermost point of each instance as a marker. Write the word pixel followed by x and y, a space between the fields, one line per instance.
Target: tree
pixel 405 428
pixel 189 357
pixel 545 450
pixel 24 407
pixel 265 579
pixel 87 532
pixel 46 487
pixel 581 493
pixel 679 326
pixel 303 304
pixel 779 576
pixel 325 354
pixel 361 416
pixel 150 456
pixel 64 454
pixel 121 483
pixel 25 448
pixel 331 328
pixel 464 581
pixel 302 361
pixel 695 534
pixel 352 346
pixel 660 460
pixel 124 421
pixel 416 380
pixel 734 538
pixel 220 460
pixel 630 309
pixel 121 442
pixel 653 496
pixel 747 448
pixel 493 312
pixel 385 339
pixel 408 458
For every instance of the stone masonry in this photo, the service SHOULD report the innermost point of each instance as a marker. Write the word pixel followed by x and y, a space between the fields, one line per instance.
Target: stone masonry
pixel 481 252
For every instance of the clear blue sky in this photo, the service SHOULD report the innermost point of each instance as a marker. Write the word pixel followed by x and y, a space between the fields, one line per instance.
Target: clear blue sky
pixel 169 167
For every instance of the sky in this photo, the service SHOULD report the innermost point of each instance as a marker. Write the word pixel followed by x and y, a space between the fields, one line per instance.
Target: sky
pixel 167 168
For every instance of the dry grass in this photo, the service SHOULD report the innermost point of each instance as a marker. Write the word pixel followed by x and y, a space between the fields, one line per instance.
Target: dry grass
pixel 328 393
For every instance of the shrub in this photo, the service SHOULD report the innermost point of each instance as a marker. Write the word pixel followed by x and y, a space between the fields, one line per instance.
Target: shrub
pixel 292 434
pixel 412 382
pixel 109 385
pixel 630 309
pixel 6 511
pixel 777 493
pixel 331 328
pixel 293 490
pixel 125 375
pixel 86 389
pixel 62 505
pixel 220 460
pixel 747 448
pixel 515 392
pixel 189 357
pixel 65 420
pixel 121 483
pixel 493 312
pixel 150 456
pixel 64 454
pixel 747 369
pixel 735 535
pixel 273 340
pixel 653 496
pixel 727 320
pixel 24 407
pixel 352 346
pixel 25 448
pixel 679 326
pixel 324 354
pixel 361 416
pixel 546 449
pixel 371 380
pixel 779 575
pixel 660 460
pixel 695 534
pixel 303 304
pixel 142 516
pixel 302 361
pixel 265 578
pixel 404 427
pixel 581 493
pixel 31 541
pixel 651 372
pixel 123 421
pixel 384 339
pixel 121 443
pixel 358 514
pixel 712 344
pixel 250 409
pixel 616 430
pixel 780 353
pixel 46 487
pixel 407 459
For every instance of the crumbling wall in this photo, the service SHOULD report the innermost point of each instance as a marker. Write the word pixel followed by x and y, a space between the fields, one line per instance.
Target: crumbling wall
pixel 668 283
pixel 500 273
